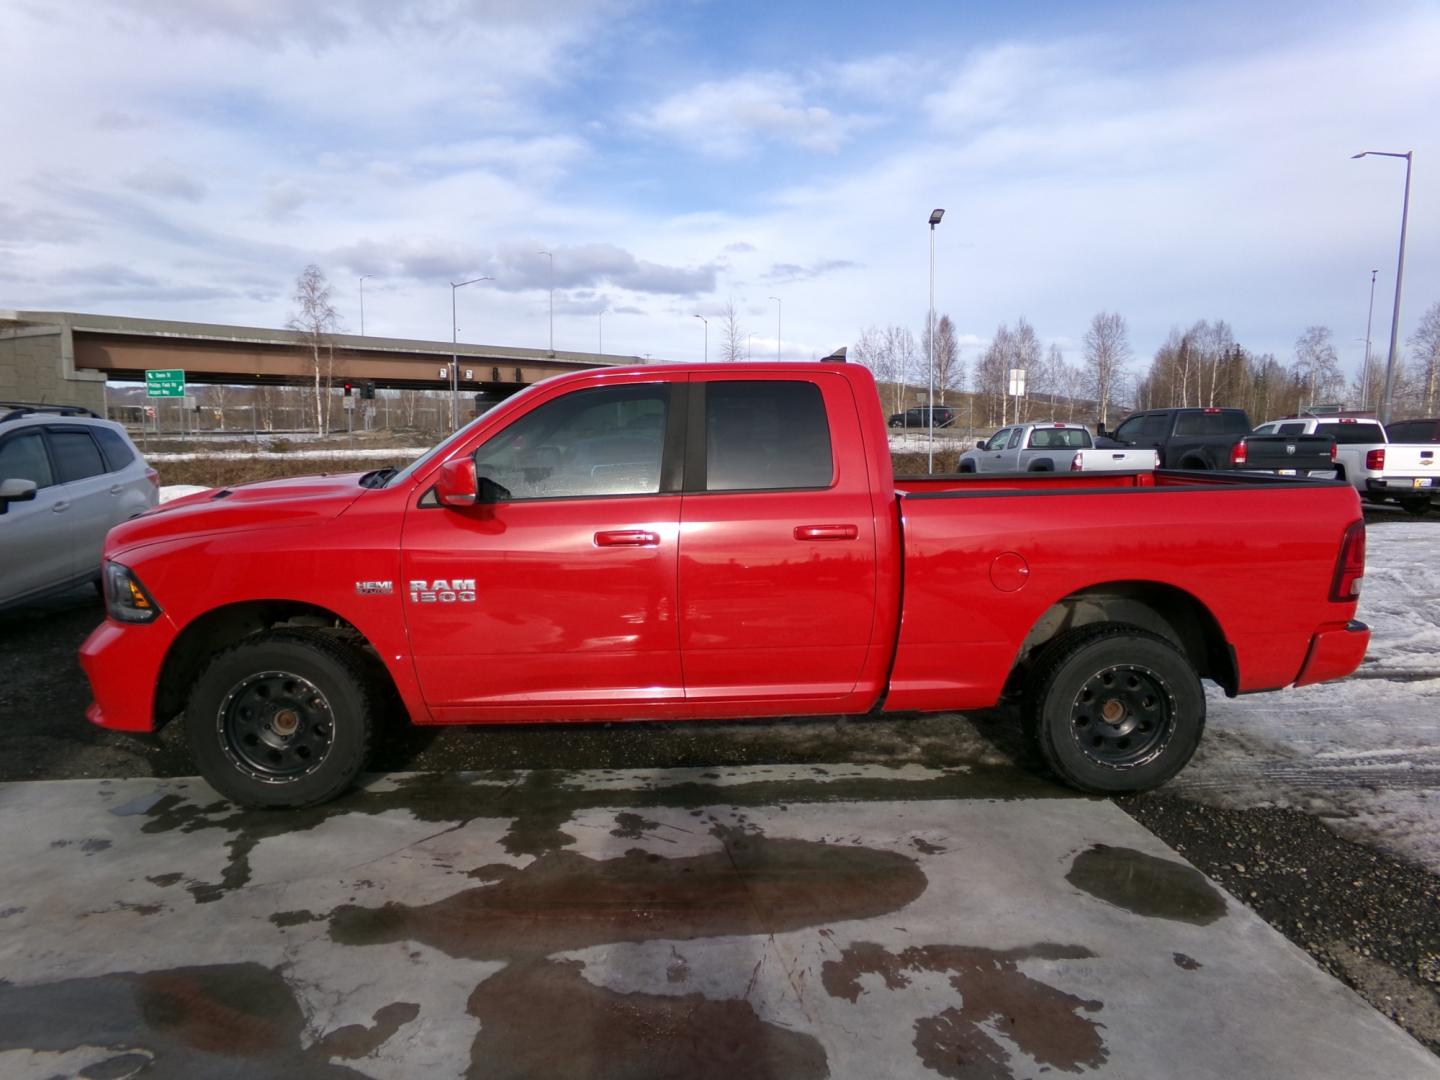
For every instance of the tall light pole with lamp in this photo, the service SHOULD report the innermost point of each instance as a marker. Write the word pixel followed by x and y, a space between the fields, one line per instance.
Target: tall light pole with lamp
pixel 362 303
pixel 707 336
pixel 1409 156
pixel 1365 365
pixel 778 309
pixel 551 257
pixel 935 216
pixel 455 352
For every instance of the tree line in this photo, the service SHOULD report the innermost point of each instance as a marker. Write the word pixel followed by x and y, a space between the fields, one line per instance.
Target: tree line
pixel 1201 365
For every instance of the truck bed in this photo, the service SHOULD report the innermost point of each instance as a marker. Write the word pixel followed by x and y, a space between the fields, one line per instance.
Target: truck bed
pixel 1207 540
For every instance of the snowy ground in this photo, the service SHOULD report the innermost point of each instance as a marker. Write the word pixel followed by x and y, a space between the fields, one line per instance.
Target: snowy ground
pixel 1363 753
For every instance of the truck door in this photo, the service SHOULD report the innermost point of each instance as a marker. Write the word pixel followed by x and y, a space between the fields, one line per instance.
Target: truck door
pixel 558 600
pixel 34 551
pixel 777 542
pixel 992 458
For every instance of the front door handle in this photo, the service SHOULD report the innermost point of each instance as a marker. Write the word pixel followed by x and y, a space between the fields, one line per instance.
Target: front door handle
pixel 60 506
pixel 827 532
pixel 627 538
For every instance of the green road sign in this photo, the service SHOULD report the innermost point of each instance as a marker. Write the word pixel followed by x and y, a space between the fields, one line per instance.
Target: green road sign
pixel 159 383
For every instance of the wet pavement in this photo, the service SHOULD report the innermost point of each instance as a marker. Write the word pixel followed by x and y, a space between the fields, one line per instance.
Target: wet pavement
pixel 787 921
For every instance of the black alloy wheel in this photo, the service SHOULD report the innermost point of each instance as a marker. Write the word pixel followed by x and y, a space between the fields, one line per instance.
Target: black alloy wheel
pixel 283 718
pixel 1114 708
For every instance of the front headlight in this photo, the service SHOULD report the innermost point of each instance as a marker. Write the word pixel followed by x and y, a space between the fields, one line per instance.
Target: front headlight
pixel 125 598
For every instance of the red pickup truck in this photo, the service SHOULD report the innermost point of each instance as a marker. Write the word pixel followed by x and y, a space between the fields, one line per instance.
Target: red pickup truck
pixel 667 543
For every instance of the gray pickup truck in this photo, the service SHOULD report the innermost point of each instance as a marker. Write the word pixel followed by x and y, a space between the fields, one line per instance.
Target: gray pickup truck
pixel 1050 447
pixel 1215 438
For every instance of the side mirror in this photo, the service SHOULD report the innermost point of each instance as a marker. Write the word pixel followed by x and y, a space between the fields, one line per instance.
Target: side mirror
pixel 1100 431
pixel 981 445
pixel 456 486
pixel 15 491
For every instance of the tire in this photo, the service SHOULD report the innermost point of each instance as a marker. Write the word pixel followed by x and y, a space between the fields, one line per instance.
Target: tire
pixel 249 694
pixel 967 466
pixel 1142 678
pixel 1044 465
pixel 1416 506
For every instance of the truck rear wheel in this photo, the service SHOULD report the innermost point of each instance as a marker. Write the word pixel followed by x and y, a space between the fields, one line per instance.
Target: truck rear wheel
pixel 283 718
pixel 1416 506
pixel 1115 709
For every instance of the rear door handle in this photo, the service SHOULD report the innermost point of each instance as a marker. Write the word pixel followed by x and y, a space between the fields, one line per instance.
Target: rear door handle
pixel 827 532
pixel 627 538
pixel 60 506
pixel 116 489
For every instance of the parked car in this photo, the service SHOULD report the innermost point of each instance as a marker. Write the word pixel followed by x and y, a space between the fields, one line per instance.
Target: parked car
pixel 1414 431
pixel 1380 469
pixel 749 563
pixel 1217 438
pixel 1049 446
pixel 917 417
pixel 66 477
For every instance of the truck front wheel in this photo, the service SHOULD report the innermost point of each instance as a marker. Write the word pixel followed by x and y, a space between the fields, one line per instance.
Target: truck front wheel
pixel 1115 709
pixel 282 718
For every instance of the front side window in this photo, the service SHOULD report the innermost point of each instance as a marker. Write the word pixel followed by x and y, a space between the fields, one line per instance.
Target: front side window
pixel 76 455
pixel 999 440
pixel 1130 429
pixel 606 440
pixel 23 458
pixel 764 435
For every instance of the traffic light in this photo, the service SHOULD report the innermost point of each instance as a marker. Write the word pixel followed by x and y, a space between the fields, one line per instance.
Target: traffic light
pixel 367 390
pixel 347 389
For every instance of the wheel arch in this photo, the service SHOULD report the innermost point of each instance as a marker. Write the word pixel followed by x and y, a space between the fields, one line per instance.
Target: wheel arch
pixel 202 637
pixel 1173 613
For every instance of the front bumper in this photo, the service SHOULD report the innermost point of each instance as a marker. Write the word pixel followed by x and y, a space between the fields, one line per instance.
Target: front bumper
pixel 1334 653
pixel 122 662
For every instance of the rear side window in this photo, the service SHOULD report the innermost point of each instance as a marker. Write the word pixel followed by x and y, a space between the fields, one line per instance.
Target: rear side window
pixel 76 455
pixel 1059 439
pixel 762 435
pixel 1297 428
pixel 116 450
pixel 1223 422
pixel 1414 431
pixel 23 458
pixel 1352 433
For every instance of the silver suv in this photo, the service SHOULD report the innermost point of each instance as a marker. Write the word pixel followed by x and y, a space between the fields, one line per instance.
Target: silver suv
pixel 66 477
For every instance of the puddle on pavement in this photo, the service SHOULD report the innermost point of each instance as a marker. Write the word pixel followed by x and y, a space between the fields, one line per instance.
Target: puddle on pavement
pixel 539 804
pixel 1146 885
pixel 999 1004
pixel 563 901
pixel 610 1034
pixel 238 1020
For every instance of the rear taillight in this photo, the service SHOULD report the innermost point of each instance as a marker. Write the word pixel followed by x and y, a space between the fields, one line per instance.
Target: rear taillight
pixel 1375 459
pixel 1350 566
pixel 1237 453
pixel 1333 448
pixel 1077 463
pixel 153 477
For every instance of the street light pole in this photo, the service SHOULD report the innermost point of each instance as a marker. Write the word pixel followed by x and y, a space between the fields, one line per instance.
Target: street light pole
pixel 455 353
pixel 600 331
pixel 748 354
pixel 935 216
pixel 778 309
pixel 707 336
pixel 552 300
pixel 362 303
pixel 1365 366
pixel 1409 156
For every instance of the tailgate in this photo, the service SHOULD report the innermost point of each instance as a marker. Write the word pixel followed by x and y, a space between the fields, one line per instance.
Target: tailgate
pixel 1290 454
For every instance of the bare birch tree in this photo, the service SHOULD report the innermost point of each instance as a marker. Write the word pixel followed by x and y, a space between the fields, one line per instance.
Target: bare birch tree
pixel 1425 346
pixel 1317 365
pixel 315 319
pixel 1107 349
pixel 732 334
pixel 949 372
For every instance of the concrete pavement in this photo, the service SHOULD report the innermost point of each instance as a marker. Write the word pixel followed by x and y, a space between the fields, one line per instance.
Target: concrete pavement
pixel 785 921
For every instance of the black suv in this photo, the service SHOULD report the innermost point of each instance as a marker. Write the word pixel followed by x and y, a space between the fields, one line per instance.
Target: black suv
pixel 915 418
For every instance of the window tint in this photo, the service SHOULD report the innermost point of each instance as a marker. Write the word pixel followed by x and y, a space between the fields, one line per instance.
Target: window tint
pixel 998 440
pixel 1132 428
pixel 1295 428
pixel 1414 431
pixel 76 455
pixel 1059 439
pixel 603 441
pixel 762 435
pixel 1016 437
pixel 23 458
pixel 1352 433
pixel 1223 422
pixel 116 450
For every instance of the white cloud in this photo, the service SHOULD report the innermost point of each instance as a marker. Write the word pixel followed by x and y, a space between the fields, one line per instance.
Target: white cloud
pixel 731 117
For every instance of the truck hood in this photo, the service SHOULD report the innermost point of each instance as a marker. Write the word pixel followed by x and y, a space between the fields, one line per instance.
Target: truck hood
pixel 305 500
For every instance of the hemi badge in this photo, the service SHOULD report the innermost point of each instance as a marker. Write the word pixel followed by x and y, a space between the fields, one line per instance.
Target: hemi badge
pixel 374 588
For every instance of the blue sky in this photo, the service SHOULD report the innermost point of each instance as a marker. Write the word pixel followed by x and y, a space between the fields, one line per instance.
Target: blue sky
pixel 1173 162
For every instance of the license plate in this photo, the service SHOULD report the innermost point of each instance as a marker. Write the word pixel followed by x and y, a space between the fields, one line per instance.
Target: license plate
pixel 1293 472
pixel 1422 481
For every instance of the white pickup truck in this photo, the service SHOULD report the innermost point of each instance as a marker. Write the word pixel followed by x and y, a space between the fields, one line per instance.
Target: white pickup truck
pixel 1381 471
pixel 1051 447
